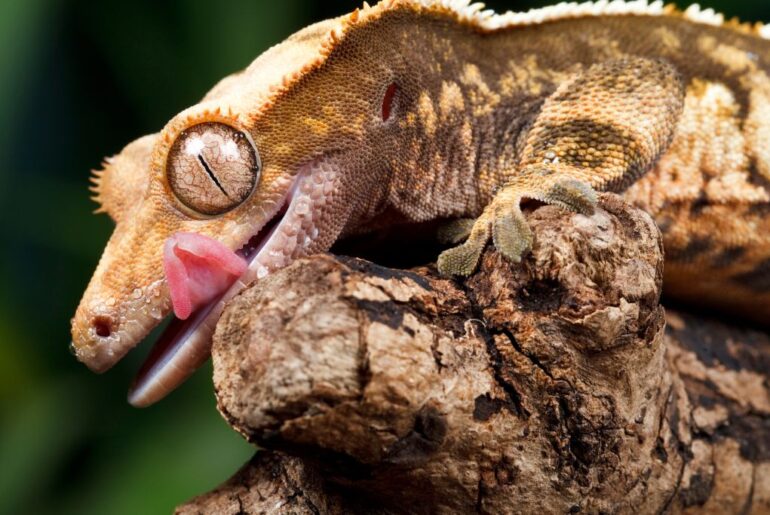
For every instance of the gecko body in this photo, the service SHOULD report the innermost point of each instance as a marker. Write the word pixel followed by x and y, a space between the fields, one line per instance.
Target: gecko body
pixel 418 110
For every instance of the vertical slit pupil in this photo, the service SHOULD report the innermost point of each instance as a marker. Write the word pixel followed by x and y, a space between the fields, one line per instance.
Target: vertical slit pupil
pixel 387 101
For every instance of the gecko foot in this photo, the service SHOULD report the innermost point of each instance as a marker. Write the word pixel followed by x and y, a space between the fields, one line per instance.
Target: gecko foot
pixel 503 221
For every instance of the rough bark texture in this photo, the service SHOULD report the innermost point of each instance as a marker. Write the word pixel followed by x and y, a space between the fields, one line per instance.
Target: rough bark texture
pixel 551 386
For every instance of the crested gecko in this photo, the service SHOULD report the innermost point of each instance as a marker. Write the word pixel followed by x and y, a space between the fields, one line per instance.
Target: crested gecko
pixel 419 110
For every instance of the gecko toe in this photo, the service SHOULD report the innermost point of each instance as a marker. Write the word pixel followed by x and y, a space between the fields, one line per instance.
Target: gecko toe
pixel 574 195
pixel 505 223
pixel 455 231
pixel 463 259
pixel 512 236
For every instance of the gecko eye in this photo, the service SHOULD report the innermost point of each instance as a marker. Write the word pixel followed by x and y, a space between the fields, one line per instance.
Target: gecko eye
pixel 212 168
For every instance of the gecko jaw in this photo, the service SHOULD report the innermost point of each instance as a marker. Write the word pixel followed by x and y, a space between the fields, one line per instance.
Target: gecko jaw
pixel 185 344
pixel 290 233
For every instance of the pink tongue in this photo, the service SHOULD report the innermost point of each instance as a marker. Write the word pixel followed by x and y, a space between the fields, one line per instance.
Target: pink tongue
pixel 198 269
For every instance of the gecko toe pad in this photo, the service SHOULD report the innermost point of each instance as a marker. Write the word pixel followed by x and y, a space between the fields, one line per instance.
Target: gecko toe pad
pixel 573 195
pixel 463 259
pixel 511 235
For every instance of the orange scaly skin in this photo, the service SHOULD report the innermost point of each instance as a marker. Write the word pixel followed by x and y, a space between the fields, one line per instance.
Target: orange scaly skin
pixel 486 110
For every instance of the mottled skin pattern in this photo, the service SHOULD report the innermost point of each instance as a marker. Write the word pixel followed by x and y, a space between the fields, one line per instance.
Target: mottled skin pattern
pixel 602 128
pixel 481 119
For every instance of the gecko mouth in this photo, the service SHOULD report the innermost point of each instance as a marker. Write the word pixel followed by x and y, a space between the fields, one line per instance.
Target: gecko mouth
pixel 289 233
pixel 186 344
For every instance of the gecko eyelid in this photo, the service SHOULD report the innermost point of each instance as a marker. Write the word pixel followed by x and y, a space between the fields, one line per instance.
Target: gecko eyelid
pixel 212 168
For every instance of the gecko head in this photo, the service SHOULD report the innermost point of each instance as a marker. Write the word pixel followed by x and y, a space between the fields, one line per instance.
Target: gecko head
pixel 260 172
pixel 193 207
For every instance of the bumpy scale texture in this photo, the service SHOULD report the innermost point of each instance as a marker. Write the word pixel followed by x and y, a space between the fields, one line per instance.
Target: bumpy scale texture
pixel 488 111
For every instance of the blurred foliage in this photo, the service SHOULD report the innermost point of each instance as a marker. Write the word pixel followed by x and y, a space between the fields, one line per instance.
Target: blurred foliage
pixel 78 80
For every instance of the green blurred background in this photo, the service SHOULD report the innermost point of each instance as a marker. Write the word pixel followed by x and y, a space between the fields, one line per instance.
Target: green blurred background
pixel 78 80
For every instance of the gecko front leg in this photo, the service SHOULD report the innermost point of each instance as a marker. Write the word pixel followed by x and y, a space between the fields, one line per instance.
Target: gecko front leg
pixel 603 129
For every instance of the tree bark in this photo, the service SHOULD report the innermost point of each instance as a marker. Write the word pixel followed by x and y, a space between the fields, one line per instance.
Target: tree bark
pixel 549 386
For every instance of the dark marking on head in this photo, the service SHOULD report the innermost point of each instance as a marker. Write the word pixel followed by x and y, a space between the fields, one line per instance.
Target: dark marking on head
pixel 756 280
pixel 691 251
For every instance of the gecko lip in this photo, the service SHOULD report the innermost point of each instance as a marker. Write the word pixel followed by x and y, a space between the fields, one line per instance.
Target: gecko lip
pixel 186 344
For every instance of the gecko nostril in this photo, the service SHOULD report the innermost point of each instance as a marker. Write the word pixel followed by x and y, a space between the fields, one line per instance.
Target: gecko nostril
pixel 102 326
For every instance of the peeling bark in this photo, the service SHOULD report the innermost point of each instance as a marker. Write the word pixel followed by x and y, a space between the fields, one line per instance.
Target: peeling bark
pixel 551 386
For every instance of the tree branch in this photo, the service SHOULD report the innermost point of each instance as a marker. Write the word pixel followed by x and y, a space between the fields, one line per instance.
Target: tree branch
pixel 549 386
